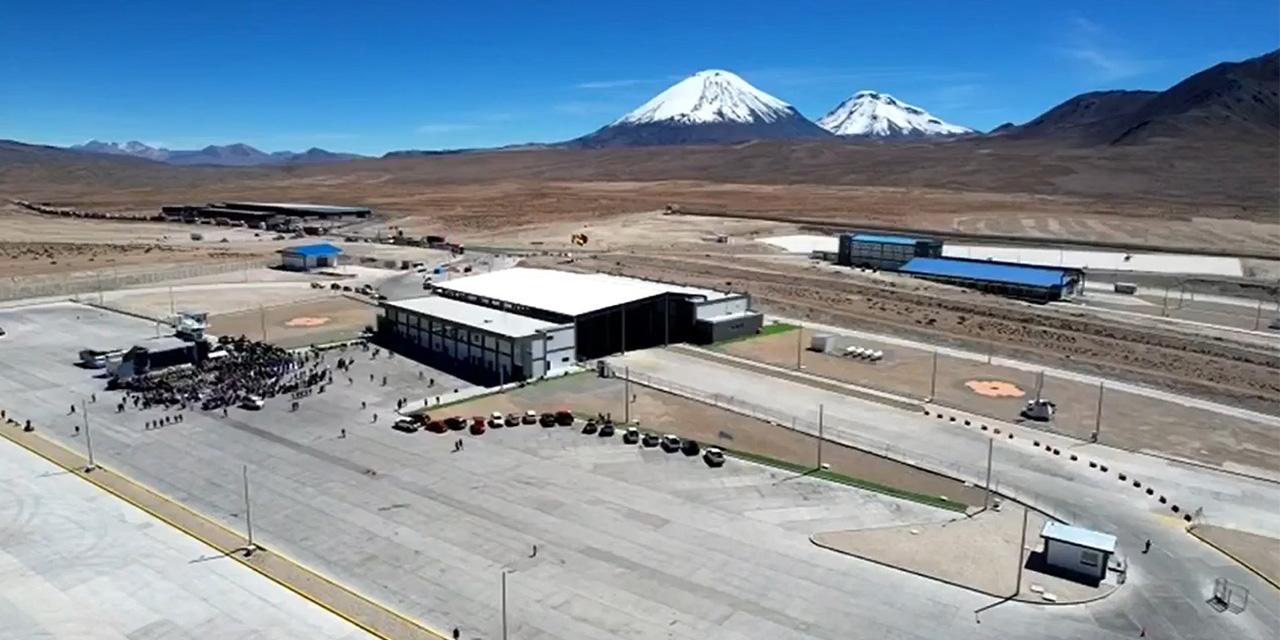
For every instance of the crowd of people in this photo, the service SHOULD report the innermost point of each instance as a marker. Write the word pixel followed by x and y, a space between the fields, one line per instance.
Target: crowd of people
pixel 249 369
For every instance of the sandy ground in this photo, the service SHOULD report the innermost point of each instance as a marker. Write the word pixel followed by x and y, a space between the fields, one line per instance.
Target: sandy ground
pixel 1129 421
pixel 976 552
pixel 587 395
pixel 298 324
pixel 1261 553
pixel 1172 357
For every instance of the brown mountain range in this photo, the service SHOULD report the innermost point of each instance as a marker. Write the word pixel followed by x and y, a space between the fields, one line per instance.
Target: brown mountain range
pixel 1211 140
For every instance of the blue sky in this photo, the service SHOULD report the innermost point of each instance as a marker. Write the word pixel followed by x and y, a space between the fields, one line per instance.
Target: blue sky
pixel 375 76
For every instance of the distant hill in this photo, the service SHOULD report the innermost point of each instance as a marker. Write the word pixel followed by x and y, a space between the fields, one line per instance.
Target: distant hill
pixel 231 155
pixel 1231 101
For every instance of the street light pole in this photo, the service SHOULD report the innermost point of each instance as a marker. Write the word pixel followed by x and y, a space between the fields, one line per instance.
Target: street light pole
pixel 1022 543
pixel 626 395
pixel 262 316
pixel 1097 422
pixel 799 346
pixel 820 421
pixel 88 439
pixel 248 512
pixel 933 377
pixel 986 500
pixel 504 604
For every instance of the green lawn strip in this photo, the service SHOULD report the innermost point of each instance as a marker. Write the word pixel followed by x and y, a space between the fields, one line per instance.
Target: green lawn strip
pixel 932 501
pixel 767 330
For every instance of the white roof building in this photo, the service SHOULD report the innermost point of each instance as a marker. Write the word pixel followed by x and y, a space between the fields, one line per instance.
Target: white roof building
pixel 502 323
pixel 570 294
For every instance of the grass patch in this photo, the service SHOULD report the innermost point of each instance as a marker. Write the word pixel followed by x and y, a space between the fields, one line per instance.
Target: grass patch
pixel 831 476
pixel 767 330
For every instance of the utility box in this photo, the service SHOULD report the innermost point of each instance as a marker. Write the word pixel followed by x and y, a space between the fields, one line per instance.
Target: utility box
pixel 822 343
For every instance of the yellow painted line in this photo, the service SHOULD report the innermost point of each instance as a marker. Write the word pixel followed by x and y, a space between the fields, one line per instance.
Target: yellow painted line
pixel 1236 558
pixel 79 470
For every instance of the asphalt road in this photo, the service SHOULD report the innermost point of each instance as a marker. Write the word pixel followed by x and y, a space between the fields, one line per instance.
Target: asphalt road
pixel 1167 590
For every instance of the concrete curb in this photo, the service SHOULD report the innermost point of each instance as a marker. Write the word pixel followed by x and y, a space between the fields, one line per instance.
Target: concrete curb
pixel 229 552
pixel 1237 559
pixel 958 584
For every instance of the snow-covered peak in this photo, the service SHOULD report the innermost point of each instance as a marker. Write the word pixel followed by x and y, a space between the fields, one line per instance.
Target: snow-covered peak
pixel 870 113
pixel 707 97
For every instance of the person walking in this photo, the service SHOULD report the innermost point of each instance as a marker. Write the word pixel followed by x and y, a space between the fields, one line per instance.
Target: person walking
pixel 342 434
pixel 535 552
pixel 77 429
pixel 1146 548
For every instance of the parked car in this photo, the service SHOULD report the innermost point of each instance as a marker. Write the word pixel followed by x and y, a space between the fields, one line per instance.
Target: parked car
pixel 406 426
pixel 590 427
pixel 455 423
pixel 547 420
pixel 477 425
pixel 530 417
pixel 606 430
pixel 713 456
pixel 252 402
pixel 564 418
pixel 690 447
pixel 650 440
pixel 496 420
pixel 631 435
pixel 513 419
pixel 670 443
pixel 336 287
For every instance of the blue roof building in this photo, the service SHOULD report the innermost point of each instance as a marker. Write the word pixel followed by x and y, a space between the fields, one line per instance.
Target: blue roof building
pixel 309 256
pixel 1041 284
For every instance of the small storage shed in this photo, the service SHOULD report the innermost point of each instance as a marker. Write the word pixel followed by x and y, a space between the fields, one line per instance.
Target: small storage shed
pixel 1078 551
pixel 310 256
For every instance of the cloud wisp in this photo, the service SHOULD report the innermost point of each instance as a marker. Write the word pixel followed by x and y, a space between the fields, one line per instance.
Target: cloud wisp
pixel 433 128
pixel 1097 53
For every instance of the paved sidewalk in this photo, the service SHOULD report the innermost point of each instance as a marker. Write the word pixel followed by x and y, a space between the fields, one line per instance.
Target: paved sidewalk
pixel 364 613
pixel 979 553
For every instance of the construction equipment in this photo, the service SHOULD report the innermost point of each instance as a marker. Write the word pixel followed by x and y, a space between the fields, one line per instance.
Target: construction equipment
pixel 579 239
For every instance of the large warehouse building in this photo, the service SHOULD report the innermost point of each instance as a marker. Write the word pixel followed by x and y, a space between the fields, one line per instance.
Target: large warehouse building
pixel 523 323
pixel 873 251
pixel 1038 284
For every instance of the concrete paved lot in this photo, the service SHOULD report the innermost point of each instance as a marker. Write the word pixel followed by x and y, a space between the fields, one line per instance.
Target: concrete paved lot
pixel 1167 588
pixel 632 544
pixel 76 563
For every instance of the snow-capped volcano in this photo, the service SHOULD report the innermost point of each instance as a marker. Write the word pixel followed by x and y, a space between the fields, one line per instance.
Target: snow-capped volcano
pixel 708 107
pixel 880 115
pixel 709 96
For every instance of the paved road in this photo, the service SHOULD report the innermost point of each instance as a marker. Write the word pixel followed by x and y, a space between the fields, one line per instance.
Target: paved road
pixel 1167 590
pixel 76 563
pixel 1065 374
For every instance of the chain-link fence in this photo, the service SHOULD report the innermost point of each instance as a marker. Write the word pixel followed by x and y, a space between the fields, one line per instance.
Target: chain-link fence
pixel 92 282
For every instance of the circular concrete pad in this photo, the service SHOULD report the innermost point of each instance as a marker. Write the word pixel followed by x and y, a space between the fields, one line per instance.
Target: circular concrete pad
pixel 308 321
pixel 995 389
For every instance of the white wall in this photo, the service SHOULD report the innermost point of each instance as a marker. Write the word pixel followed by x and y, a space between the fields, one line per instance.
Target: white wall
pixel 1068 557
pixel 737 304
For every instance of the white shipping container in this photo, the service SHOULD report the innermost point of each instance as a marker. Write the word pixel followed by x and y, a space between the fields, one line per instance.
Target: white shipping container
pixel 821 343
